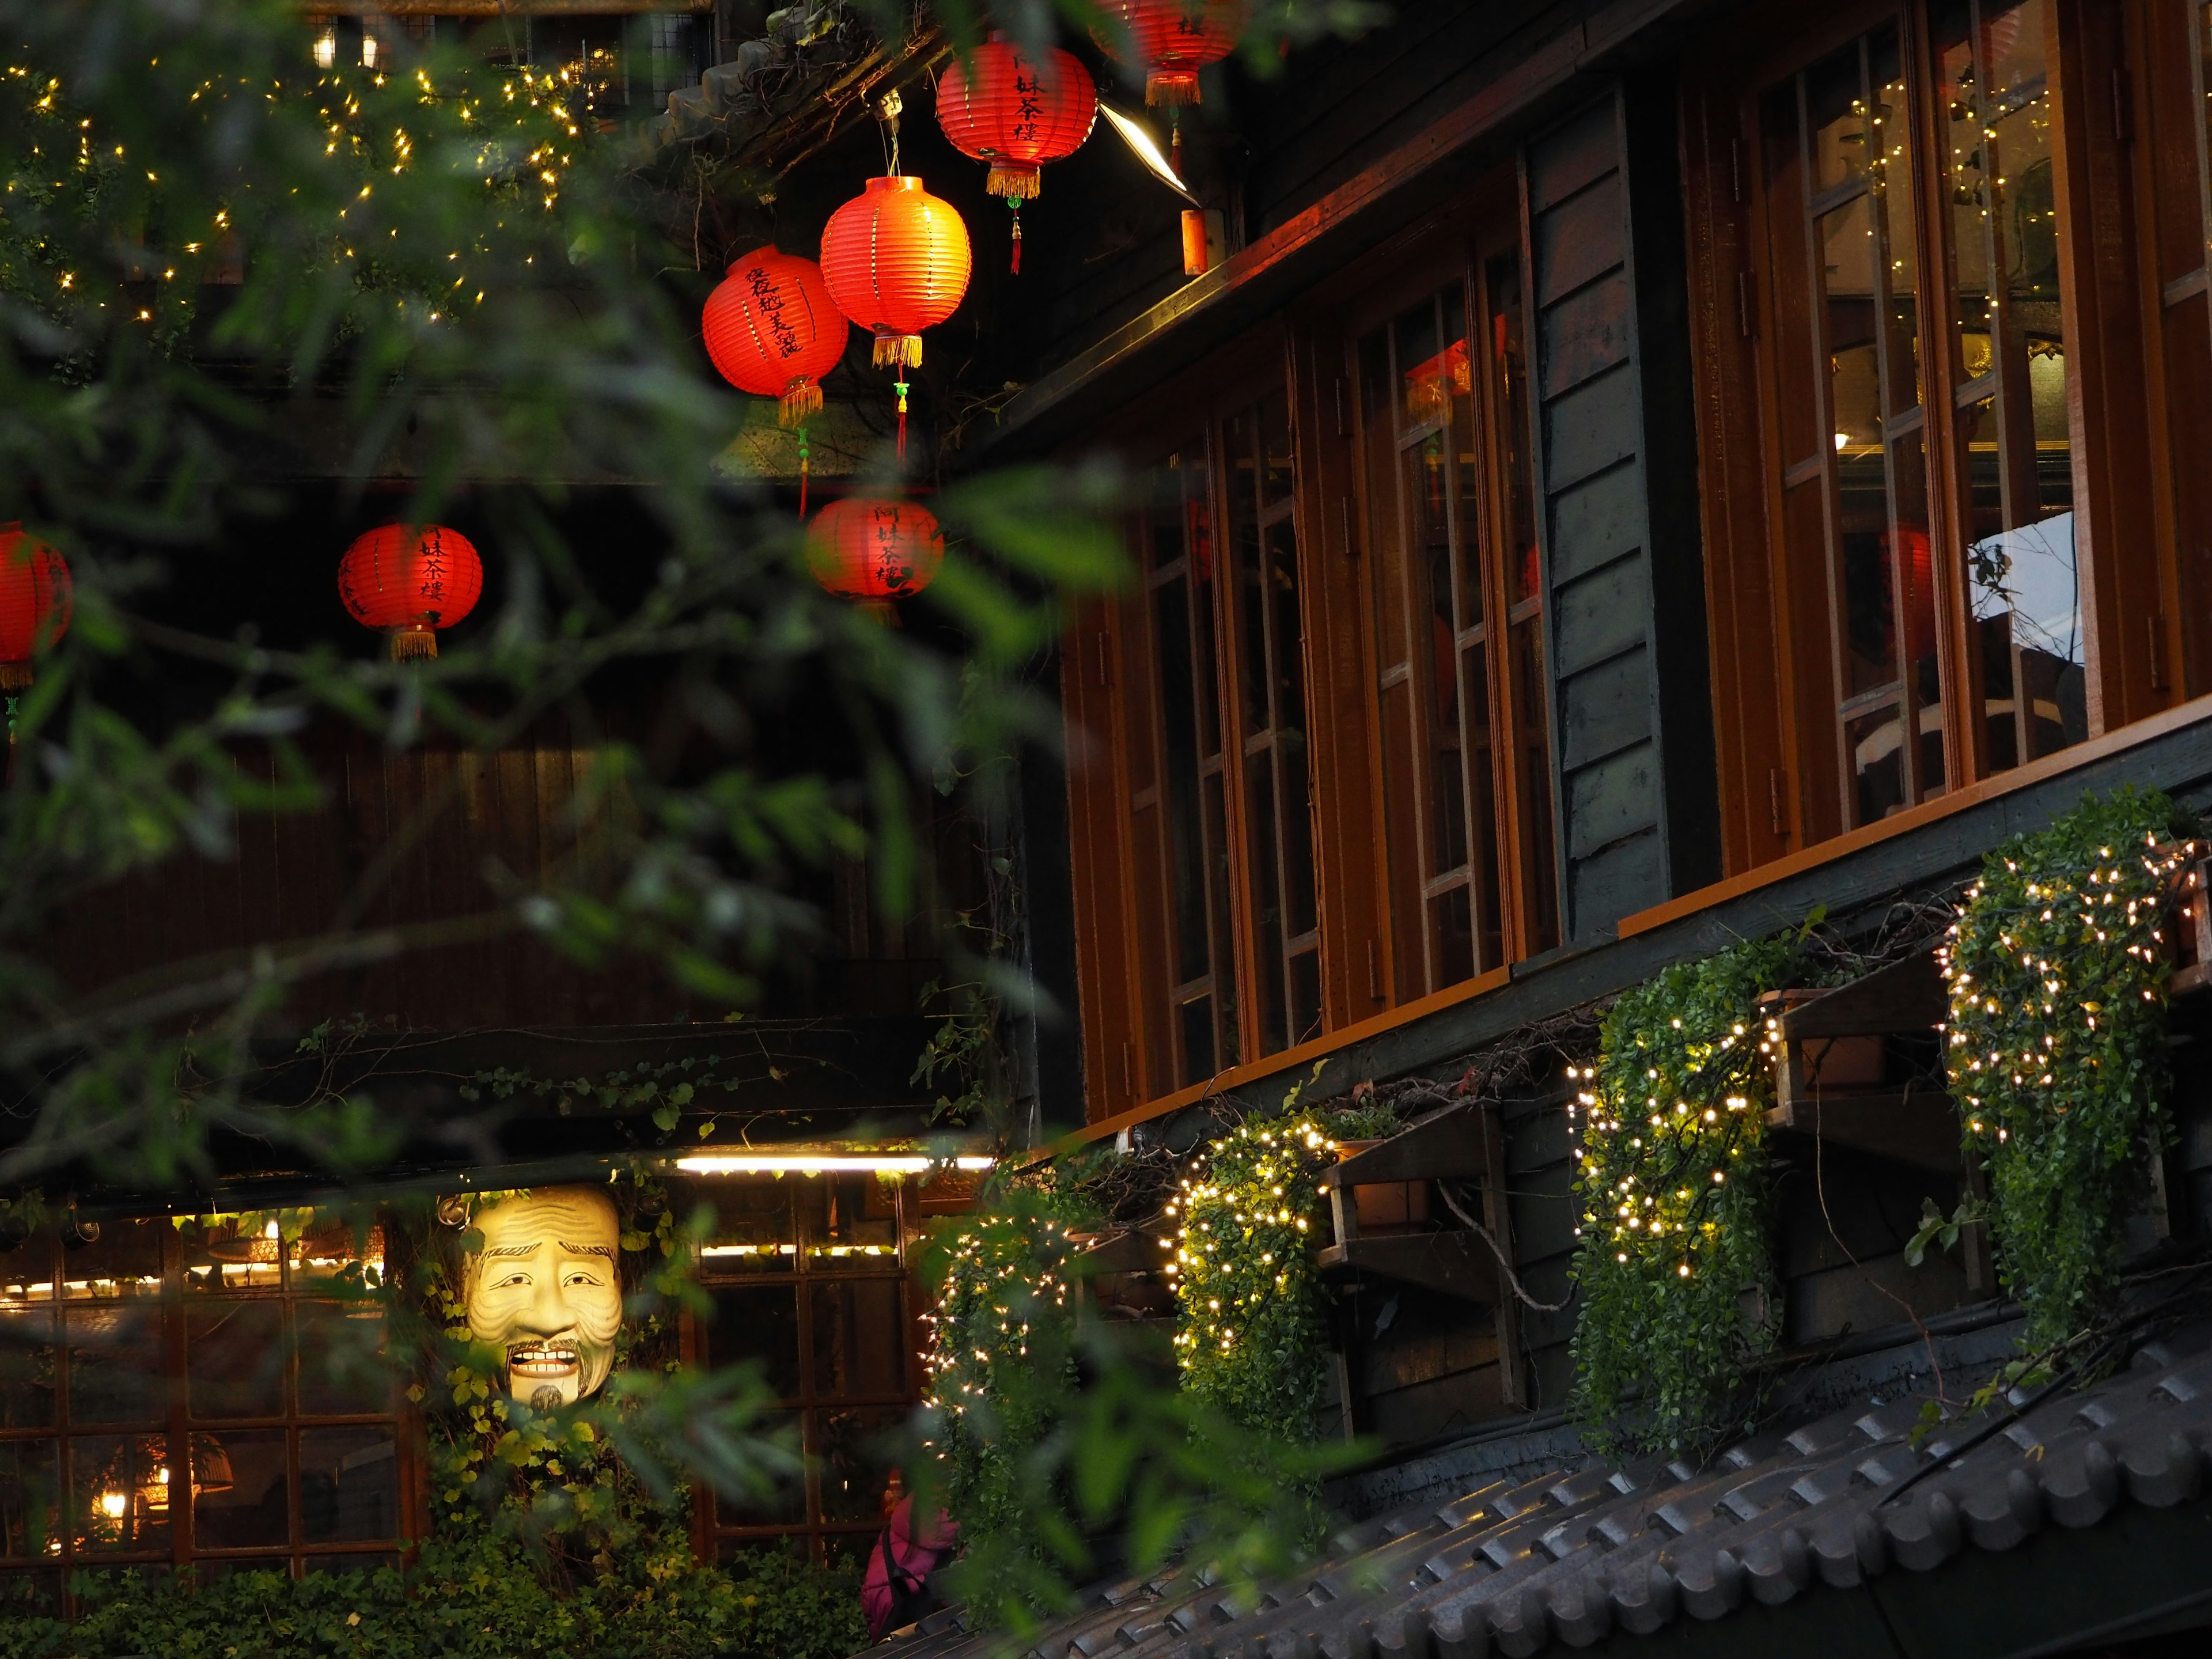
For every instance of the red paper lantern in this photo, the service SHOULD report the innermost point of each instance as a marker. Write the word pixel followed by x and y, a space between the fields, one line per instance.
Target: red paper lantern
pixel 412 581
pixel 874 550
pixel 773 329
pixel 1173 39
pixel 897 260
pixel 35 603
pixel 1016 112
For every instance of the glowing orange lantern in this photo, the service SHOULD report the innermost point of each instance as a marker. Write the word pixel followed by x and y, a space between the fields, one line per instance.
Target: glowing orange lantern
pixel 412 581
pixel 35 603
pixel 1173 39
pixel 1016 112
pixel 874 550
pixel 896 261
pixel 773 329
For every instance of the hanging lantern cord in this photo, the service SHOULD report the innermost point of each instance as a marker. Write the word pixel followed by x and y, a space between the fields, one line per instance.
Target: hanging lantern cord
pixel 1175 139
pixel 11 739
pixel 1016 203
pixel 900 386
pixel 887 111
pixel 802 472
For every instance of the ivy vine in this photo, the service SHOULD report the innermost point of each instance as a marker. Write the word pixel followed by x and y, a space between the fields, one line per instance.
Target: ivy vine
pixel 1002 1371
pixel 1251 1333
pixel 2056 1046
pixel 1671 1178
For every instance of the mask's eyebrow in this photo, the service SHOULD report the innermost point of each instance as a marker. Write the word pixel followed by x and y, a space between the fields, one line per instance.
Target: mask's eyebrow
pixel 512 1250
pixel 588 1249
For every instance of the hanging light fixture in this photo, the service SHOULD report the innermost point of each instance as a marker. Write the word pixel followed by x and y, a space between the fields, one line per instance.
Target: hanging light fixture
pixel 1171 41
pixel 410 581
pixel 35 594
pixel 773 329
pixel 896 261
pixel 1016 112
pixel 874 550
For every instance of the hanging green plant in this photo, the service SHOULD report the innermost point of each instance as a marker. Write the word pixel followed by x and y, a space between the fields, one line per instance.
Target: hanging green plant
pixel 1002 1378
pixel 2056 1043
pixel 1672 1180
pixel 1250 1335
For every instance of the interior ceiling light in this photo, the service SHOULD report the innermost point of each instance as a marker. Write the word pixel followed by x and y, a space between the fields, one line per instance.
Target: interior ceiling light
pixel 825 1164
pixel 1146 150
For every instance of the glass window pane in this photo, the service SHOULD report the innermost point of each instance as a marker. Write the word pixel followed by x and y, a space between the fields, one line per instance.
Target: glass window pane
pixel 850 1220
pixel 30 1498
pixel 335 1252
pixel 1224 976
pixel 235 1354
pixel 1835 108
pixel 241 1489
pixel 859 1449
pixel 1876 742
pixel 1912 570
pixel 1451 937
pixel 1305 995
pixel 117 1365
pixel 1892 205
pixel 1179 734
pixel 1511 439
pixel 349 1485
pixel 783 1501
pixel 119 1491
pixel 227 1255
pixel 124 1261
pixel 344 1370
pixel 859 1339
pixel 752 1231
pixel 1266 896
pixel 761 1325
pixel 28 1359
pixel 1277 475
pixel 1482 760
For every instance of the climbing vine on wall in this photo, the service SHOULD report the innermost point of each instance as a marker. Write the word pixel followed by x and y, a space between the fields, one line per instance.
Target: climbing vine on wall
pixel 1002 1370
pixel 1251 1336
pixel 1671 1178
pixel 2056 1043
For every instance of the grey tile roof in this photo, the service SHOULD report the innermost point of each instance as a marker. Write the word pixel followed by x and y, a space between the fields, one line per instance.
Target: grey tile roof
pixel 1580 1554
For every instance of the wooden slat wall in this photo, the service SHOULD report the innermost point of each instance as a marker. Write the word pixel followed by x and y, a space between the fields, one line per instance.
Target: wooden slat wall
pixel 1624 583
pixel 296 876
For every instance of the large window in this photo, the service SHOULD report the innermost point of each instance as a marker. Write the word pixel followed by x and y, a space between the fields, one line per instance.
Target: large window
pixel 204 1395
pixel 1458 632
pixel 806 1278
pixel 1218 786
pixel 2174 50
pixel 1915 215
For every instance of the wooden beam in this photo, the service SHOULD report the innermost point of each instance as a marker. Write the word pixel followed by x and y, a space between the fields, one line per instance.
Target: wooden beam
pixel 1457 1263
pixel 1904 996
pixel 1210 310
pixel 1449 1146
pixel 1918 1128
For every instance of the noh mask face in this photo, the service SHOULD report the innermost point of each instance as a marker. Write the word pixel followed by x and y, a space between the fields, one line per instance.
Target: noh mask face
pixel 546 1291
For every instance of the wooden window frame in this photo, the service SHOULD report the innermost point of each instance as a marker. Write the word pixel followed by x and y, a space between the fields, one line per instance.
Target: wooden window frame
pixel 175 1423
pixel 1783 775
pixel 815 1533
pixel 1462 250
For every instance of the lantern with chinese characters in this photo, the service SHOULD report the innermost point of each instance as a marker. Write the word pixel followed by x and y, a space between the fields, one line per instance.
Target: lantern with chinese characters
pixel 874 550
pixel 35 603
pixel 1171 41
pixel 1016 112
pixel 773 329
pixel 410 581
pixel 896 261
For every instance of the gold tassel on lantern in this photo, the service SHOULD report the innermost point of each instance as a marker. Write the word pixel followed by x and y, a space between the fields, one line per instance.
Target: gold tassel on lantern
pixel 15 675
pixel 1171 86
pixel 416 641
pixel 898 351
pixel 1012 178
pixel 800 399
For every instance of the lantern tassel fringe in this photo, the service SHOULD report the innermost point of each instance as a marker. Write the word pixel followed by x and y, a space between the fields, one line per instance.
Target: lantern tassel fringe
pixel 15 675
pixel 1023 183
pixel 800 399
pixel 898 351
pixel 411 643
pixel 1171 86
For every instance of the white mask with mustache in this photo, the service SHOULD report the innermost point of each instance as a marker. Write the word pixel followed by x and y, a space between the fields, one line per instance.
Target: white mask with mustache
pixel 544 1289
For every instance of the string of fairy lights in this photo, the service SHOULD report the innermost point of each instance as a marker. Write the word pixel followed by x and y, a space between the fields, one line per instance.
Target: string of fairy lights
pixel 520 130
